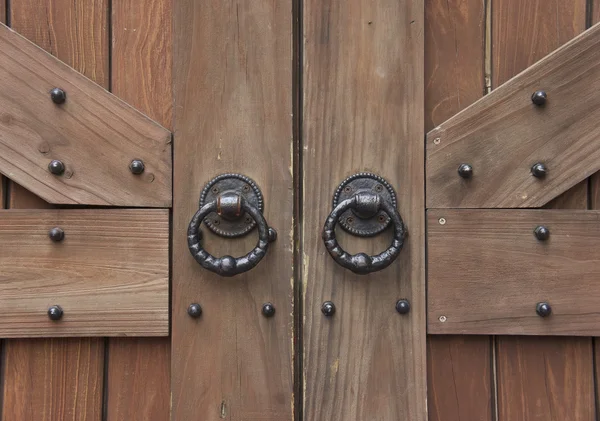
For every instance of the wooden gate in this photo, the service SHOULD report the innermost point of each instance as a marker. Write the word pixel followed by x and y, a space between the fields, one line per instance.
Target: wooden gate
pixel 287 132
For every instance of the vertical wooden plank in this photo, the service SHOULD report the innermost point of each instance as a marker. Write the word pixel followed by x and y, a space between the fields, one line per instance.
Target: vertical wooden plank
pixel 545 378
pixel 3 12
pixel 53 379
pixel 77 33
pixel 363 105
pixel 233 112
pixel 139 369
pixel 458 368
pixel 538 377
pixel 459 378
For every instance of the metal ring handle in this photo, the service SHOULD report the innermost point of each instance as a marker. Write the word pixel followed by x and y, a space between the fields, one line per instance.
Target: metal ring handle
pixel 227 265
pixel 362 263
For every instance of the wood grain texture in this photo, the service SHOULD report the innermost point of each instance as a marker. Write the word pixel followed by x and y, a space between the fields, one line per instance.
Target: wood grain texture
pixel 94 133
pixel 503 135
pixel 110 273
pixel 545 379
pixel 233 112
pixel 489 262
pixel 138 379
pixel 458 368
pixel 454 57
pixel 459 378
pixel 363 111
pixel 86 54
pixel 139 369
pixel 53 379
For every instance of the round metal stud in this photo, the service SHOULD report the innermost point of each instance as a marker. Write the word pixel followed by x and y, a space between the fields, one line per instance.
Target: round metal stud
pixel 268 310
pixel 403 306
pixel 543 309
pixel 194 310
pixel 56 234
pixel 55 313
pixel 328 308
pixel 539 98
pixel 539 170
pixel 541 233
pixel 465 171
pixel 56 167
pixel 137 166
pixel 58 96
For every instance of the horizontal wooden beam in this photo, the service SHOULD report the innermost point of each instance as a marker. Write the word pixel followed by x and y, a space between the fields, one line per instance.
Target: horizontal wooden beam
pixel 110 273
pixel 487 272
pixel 93 133
pixel 503 135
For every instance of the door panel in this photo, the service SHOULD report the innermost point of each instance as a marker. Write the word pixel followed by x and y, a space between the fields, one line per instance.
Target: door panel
pixel 363 111
pixel 233 113
pixel 142 44
pixel 87 53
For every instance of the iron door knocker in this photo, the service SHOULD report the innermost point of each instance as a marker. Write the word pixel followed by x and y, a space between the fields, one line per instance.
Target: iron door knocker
pixel 364 205
pixel 231 206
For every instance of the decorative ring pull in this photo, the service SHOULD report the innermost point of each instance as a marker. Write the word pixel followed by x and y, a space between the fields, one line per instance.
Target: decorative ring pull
pixel 232 205
pixel 369 202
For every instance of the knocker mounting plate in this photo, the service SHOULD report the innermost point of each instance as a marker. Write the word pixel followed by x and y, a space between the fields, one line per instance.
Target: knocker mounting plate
pixel 236 184
pixel 358 224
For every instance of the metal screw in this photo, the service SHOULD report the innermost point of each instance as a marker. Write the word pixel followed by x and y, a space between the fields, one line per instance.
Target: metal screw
pixel 539 170
pixel 543 309
pixel 248 220
pixel 382 218
pixel 56 234
pixel 215 190
pixel 347 189
pixel 55 313
pixel 437 141
pixel 56 167
pixel 403 306
pixel 541 233
pixel 216 222
pixel 350 220
pixel 539 98
pixel 58 96
pixel 328 308
pixel 246 188
pixel 137 166
pixel 443 319
pixel 465 171
pixel 378 188
pixel 442 221
pixel 268 310
pixel 194 310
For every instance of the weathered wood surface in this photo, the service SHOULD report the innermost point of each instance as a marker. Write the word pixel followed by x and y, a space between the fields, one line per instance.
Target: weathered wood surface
pixel 548 379
pixel 233 112
pixel 504 134
pixel 487 272
pixel 80 39
pixel 139 369
pixel 460 378
pixel 363 111
pixel 138 378
pixel 458 368
pixel 110 273
pixel 95 134
pixel 54 379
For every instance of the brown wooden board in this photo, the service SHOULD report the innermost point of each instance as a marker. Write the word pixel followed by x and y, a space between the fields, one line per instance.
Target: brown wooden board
pixel 139 369
pixel 546 379
pixel 109 274
pixel 458 368
pixel 77 33
pixel 54 379
pixel 93 133
pixel 363 111
pixel 487 271
pixel 233 113
pixel 504 134
pixel 459 378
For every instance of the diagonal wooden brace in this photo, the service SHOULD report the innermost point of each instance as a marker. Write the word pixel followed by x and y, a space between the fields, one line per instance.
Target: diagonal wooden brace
pixel 93 133
pixel 503 135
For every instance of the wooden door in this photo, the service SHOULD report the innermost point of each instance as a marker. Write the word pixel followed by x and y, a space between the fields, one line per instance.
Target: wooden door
pixel 377 281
